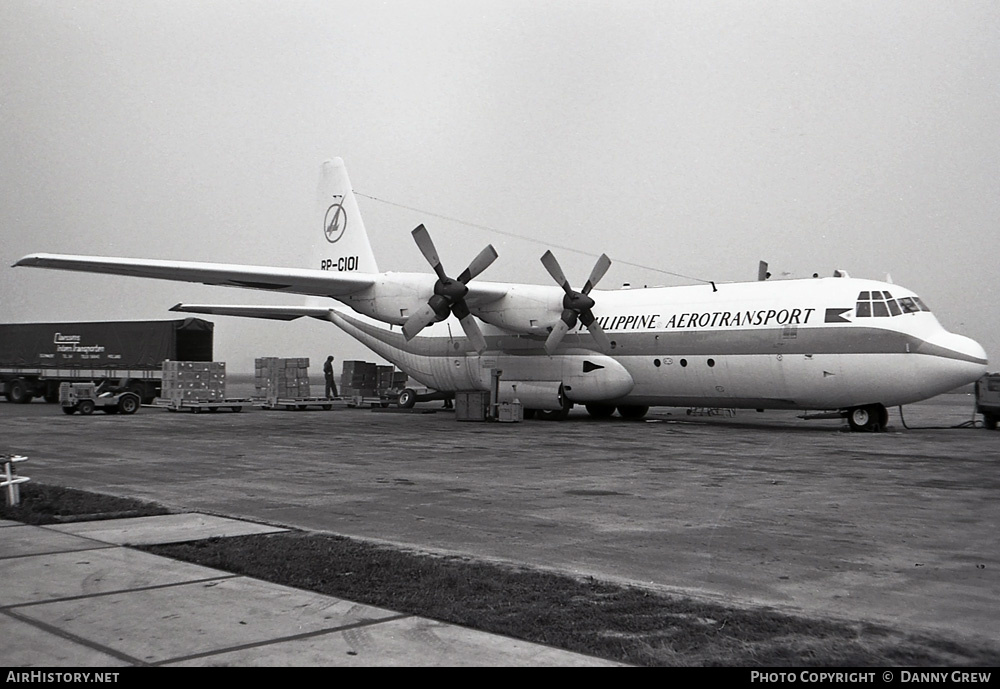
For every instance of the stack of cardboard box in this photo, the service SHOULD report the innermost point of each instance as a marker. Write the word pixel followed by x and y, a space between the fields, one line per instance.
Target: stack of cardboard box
pixel 359 379
pixel 193 381
pixel 275 377
pixel 365 379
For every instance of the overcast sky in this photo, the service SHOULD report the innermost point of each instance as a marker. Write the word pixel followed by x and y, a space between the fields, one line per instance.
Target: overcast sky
pixel 681 138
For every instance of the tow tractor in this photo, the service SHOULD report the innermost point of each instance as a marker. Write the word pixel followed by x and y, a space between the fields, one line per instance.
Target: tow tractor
pixel 86 397
pixel 988 399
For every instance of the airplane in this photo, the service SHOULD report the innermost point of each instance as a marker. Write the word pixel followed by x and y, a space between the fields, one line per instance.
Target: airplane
pixel 840 346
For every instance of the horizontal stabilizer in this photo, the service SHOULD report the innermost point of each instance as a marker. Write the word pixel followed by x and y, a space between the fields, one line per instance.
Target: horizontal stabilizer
pixel 277 313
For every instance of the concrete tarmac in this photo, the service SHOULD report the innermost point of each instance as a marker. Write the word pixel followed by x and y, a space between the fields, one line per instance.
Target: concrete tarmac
pixel 897 528
pixel 76 596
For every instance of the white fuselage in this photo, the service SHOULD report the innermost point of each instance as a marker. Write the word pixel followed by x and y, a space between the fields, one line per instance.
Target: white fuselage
pixel 795 344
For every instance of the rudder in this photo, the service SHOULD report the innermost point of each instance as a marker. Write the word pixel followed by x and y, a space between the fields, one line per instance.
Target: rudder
pixel 341 241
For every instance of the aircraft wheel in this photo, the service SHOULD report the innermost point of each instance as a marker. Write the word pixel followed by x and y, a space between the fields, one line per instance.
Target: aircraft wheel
pixel 867 419
pixel 128 403
pixel 529 413
pixel 600 411
pixel 883 417
pixel 990 421
pixel 633 411
pixel 85 407
pixel 553 414
pixel 407 398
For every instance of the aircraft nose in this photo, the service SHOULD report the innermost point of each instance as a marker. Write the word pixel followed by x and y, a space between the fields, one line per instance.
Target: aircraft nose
pixel 966 358
pixel 964 348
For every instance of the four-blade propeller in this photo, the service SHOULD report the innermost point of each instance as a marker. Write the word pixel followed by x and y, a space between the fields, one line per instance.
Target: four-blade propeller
pixel 449 293
pixel 576 305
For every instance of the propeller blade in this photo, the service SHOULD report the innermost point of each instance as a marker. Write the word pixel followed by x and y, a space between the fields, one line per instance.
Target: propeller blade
pixel 418 321
pixel 479 264
pixel 600 268
pixel 473 332
pixel 423 239
pixel 555 337
pixel 597 332
pixel 552 265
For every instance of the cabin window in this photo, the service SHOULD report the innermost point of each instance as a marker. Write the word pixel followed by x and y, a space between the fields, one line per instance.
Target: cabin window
pixel 880 304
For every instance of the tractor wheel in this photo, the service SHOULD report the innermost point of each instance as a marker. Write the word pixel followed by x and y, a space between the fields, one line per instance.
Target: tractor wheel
pixel 129 403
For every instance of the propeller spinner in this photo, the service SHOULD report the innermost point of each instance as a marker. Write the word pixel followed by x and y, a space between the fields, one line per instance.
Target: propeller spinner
pixel 576 305
pixel 449 293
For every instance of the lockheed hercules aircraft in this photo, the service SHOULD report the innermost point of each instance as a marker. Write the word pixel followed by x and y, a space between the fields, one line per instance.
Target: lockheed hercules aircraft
pixel 846 346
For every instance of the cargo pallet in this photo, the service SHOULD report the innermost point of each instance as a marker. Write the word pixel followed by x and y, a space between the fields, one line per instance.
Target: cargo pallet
pixel 197 406
pixel 297 403
pixel 365 401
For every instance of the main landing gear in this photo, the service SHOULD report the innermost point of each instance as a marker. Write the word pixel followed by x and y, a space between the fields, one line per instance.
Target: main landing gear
pixel 870 418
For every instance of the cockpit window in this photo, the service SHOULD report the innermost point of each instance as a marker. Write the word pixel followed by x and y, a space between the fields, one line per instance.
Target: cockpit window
pixel 881 304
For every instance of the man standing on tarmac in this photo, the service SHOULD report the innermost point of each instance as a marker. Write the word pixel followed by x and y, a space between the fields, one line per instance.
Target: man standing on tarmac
pixel 331 385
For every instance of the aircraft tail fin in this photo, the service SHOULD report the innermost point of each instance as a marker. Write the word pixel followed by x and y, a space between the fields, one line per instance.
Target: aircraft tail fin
pixel 340 241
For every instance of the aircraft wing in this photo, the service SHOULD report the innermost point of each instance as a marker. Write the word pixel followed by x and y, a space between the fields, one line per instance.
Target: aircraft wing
pixel 291 280
pixel 277 313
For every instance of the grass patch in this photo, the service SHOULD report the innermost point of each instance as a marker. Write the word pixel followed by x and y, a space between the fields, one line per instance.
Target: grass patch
pixel 627 624
pixel 622 623
pixel 41 504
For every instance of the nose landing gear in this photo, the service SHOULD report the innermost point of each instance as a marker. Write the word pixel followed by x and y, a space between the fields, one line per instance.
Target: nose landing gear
pixel 870 418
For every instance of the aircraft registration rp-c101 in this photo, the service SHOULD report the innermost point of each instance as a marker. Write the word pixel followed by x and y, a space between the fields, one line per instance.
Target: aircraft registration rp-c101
pixel 848 346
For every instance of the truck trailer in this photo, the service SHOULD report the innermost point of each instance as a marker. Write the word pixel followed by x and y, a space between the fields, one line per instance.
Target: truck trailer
pixel 35 358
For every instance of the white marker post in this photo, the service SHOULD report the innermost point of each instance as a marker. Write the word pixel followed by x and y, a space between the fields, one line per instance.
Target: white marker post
pixel 11 479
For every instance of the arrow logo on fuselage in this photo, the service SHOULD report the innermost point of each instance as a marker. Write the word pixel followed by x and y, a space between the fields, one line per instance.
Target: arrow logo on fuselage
pixel 837 316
